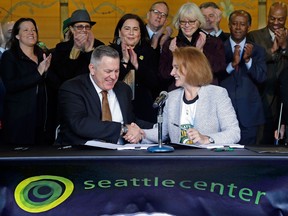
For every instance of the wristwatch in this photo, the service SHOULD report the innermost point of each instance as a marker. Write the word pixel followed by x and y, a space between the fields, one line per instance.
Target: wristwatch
pixel 124 130
pixel 211 140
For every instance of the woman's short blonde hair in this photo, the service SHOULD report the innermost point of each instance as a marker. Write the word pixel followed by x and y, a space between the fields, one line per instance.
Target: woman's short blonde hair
pixel 189 11
pixel 194 65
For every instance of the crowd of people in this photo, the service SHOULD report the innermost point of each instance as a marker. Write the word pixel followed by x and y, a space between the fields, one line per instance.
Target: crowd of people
pixel 223 87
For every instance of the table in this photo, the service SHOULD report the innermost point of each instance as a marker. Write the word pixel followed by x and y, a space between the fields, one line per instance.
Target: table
pixel 188 181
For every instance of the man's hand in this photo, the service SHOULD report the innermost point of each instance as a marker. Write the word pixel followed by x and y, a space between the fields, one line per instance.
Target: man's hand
pixel 173 45
pixel 167 34
pixel 281 133
pixel 89 44
pixel 247 52
pixel 236 56
pixel 281 37
pixel 134 134
pixel 80 40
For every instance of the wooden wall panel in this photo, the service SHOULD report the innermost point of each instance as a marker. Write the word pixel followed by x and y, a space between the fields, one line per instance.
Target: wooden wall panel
pixel 105 13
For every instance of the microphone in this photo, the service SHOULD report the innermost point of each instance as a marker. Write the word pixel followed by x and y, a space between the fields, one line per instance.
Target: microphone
pixel 160 100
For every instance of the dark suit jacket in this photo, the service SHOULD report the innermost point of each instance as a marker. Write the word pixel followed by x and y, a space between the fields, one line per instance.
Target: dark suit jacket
pixel 283 80
pixel 242 86
pixel 275 64
pixel 80 112
pixel 224 36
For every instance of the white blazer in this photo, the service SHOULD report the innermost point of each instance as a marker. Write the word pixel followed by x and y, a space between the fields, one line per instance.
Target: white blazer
pixel 214 117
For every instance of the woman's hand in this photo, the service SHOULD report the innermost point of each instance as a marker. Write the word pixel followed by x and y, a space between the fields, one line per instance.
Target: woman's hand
pixel 45 64
pixel 173 45
pixel 196 136
pixel 201 41
pixel 128 53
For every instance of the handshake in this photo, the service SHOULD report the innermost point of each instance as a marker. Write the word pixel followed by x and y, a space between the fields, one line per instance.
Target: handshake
pixel 134 134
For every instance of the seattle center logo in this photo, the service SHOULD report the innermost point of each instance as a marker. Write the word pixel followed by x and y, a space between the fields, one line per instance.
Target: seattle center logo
pixel 42 193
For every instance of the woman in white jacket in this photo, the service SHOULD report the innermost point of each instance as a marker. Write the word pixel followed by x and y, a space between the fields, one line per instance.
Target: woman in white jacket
pixel 196 112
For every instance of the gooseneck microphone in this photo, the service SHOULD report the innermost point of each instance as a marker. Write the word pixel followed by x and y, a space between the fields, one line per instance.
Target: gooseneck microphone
pixel 160 100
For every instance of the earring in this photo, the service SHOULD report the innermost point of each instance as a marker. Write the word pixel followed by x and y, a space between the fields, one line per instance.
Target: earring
pixel 118 41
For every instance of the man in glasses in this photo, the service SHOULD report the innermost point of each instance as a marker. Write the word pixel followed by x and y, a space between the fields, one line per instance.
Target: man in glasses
pixel 156 19
pixel 70 58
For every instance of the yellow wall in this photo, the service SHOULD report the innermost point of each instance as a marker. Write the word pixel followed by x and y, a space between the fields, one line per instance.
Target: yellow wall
pixel 105 13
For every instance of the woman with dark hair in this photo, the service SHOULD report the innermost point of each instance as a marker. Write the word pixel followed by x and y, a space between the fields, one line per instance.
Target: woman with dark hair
pixel 138 64
pixel 23 71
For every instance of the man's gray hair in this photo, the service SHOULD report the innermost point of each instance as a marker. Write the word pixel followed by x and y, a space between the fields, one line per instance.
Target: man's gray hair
pixel 101 51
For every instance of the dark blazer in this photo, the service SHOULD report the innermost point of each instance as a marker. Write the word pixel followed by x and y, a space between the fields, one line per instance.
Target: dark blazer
pixel 2 94
pixel 224 36
pixel 63 68
pixel 80 112
pixel 25 99
pixel 275 64
pixel 283 81
pixel 242 86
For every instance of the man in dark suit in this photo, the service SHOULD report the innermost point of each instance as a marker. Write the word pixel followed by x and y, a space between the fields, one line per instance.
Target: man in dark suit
pixel 283 89
pixel 245 68
pixel 274 39
pixel 80 107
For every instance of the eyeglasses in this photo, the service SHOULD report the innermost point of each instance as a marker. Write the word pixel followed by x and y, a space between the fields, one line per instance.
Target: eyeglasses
pixel 158 13
pixel 190 22
pixel 81 27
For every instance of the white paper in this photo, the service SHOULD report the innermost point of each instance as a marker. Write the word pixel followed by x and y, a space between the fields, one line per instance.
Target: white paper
pixel 212 145
pixel 106 145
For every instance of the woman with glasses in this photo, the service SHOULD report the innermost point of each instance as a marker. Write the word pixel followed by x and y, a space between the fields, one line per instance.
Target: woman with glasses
pixel 189 21
pixel 139 64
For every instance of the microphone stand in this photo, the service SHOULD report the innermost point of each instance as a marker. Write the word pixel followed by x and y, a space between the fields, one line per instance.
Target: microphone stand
pixel 160 147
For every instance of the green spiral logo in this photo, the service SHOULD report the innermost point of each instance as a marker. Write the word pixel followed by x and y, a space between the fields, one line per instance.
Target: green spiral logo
pixel 42 193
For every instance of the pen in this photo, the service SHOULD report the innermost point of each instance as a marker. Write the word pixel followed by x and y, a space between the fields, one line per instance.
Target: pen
pixel 178 126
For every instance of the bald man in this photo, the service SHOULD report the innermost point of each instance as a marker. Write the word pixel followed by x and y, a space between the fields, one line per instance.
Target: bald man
pixel 274 38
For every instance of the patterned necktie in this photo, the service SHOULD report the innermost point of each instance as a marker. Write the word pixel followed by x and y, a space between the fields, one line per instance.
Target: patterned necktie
pixel 106 113
pixel 237 47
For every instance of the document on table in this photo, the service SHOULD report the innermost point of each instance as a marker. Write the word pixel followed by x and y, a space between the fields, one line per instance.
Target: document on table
pixel 212 145
pixel 100 144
